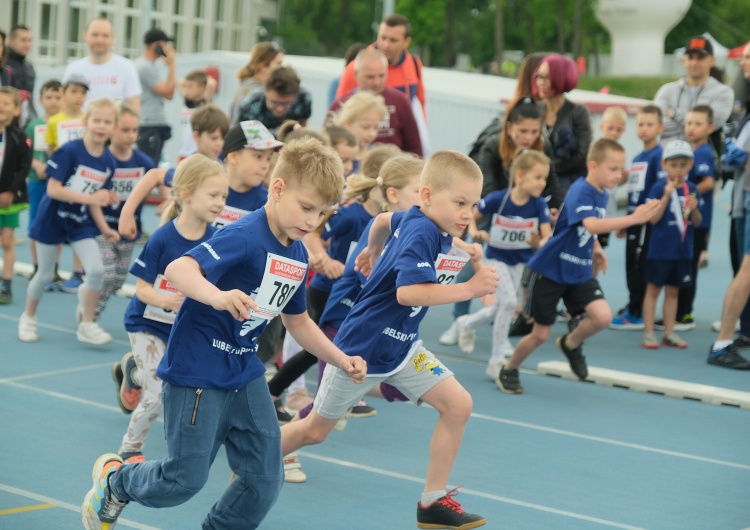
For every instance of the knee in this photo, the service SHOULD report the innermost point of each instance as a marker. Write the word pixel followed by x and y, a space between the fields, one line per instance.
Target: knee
pixel 540 334
pixel 94 278
pixel 602 319
pixel 314 434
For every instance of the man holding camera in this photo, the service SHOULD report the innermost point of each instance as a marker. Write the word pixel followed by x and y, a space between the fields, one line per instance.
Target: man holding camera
pixel 154 129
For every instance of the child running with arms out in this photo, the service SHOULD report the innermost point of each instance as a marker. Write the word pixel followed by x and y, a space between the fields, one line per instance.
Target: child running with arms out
pixel 200 189
pixel 79 185
pixel 670 252
pixel 213 385
pixel 414 271
pixel 565 267
pixel 520 223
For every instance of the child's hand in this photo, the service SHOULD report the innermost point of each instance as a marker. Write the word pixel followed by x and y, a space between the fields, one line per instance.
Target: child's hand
pixel 355 367
pixel 99 198
pixel 236 302
pixel 621 233
pixel 645 212
pixel 480 236
pixel 692 202
pixel 173 303
pixel 364 262
pixel 126 227
pixel 488 300
pixel 600 261
pixel 669 188
pixel 111 235
pixel 534 239
pixel 483 282
pixel 476 252
pixel 333 269
pixel 317 261
pixel 113 198
pixel 6 199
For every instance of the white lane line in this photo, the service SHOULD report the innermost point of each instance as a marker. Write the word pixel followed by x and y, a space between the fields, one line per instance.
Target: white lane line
pixel 611 441
pixel 67 506
pixel 56 372
pixel 62 329
pixel 498 498
pixel 66 397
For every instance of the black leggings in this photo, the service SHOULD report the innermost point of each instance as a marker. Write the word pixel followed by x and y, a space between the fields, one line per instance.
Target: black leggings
pixel 687 294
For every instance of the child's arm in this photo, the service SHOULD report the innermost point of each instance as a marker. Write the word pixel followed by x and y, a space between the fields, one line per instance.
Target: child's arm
pixel 40 168
pixel 148 295
pixel 599 258
pixel 98 216
pixel 319 258
pixel 481 236
pixel 57 191
pixel 379 232
pixel 312 339
pixel 187 277
pixel 695 214
pixel 150 180
pixel 474 250
pixel 429 294
pixel 642 214
pixel 662 203
pixel 706 184
pixel 538 239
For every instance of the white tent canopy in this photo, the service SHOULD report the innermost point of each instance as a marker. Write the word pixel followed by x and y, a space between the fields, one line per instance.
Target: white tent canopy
pixel 720 51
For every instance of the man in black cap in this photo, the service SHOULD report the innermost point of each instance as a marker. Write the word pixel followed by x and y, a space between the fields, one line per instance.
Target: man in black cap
pixel 696 88
pixel 23 74
pixel 154 129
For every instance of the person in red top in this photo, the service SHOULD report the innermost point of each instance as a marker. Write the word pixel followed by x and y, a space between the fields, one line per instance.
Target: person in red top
pixel 404 71
pixel 399 127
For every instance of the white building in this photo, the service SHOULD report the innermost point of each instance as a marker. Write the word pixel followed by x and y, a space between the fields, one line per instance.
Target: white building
pixel 198 25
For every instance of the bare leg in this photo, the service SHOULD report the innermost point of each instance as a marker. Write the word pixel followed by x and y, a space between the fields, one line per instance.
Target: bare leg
pixel 649 307
pixel 538 336
pixel 671 294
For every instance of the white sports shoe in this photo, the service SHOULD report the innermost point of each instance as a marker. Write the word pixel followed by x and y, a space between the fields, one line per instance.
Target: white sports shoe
pixel 467 337
pixel 293 469
pixel 79 307
pixel 27 329
pixel 716 326
pixel 91 332
pixel 449 336
pixel 493 368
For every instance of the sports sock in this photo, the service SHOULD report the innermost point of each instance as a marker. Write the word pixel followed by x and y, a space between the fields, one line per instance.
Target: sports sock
pixel 428 497
pixel 720 344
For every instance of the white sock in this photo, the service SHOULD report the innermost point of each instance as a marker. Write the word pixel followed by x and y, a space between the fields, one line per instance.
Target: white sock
pixel 719 344
pixel 428 497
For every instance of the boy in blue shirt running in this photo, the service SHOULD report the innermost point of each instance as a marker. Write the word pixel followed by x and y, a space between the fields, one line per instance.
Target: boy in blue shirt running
pixel 213 385
pixel 565 267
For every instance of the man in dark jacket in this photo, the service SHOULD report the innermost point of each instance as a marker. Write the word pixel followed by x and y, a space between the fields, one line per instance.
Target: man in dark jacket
pixel 22 73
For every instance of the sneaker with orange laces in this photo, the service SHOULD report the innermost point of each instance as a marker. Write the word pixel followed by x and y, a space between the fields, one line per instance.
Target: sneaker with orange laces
pixel 447 513
pixel 128 390
pixel 101 508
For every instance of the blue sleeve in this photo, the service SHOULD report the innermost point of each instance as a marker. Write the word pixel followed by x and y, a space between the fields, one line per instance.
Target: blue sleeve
pixel 704 166
pixel 580 204
pixel 169 177
pixel 60 164
pixel 396 220
pixel 416 263
pixel 220 253
pixel 491 202
pixel 657 190
pixel 337 224
pixel 543 209
pixel 146 267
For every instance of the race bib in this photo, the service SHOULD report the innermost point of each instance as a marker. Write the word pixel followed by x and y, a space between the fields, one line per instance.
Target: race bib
pixel 40 137
pixel 159 314
pixel 124 181
pixel 281 279
pixel 447 266
pixel 637 177
pixel 512 234
pixel 69 130
pixel 228 216
pixel 86 180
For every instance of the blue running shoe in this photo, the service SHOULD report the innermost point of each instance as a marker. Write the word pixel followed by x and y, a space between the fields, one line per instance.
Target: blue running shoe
pixel 728 358
pixel 100 508
pixel 627 321
pixel 72 284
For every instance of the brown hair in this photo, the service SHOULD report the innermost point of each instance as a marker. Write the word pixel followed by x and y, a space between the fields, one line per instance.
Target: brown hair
pixel 197 76
pixel 376 157
pixel 261 55
pixel 704 109
pixel 13 93
pixel 341 135
pixel 304 132
pixel 525 160
pixel 526 109
pixel 283 80
pixel 396 20
pixel 208 118
pixel 651 109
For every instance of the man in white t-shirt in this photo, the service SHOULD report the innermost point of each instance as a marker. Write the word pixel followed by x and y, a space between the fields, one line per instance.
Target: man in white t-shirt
pixel 109 75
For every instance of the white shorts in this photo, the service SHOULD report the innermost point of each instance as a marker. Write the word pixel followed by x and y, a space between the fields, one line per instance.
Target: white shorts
pixel 337 392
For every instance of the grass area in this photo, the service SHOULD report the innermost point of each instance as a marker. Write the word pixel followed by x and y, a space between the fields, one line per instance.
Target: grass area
pixel 636 87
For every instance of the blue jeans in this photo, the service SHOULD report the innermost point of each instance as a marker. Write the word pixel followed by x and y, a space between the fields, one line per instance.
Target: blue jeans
pixel 196 425
pixel 36 190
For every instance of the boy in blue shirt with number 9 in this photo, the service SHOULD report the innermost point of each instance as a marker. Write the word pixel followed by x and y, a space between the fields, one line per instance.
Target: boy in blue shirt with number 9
pixel 565 267
pixel 213 385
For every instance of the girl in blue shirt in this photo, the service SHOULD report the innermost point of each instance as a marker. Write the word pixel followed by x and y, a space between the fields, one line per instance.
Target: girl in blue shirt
pixel 79 185
pixel 520 223
pixel 200 189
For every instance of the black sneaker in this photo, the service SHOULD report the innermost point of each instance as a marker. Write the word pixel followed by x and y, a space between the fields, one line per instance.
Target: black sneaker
pixel 447 513
pixel 281 414
pixel 520 327
pixel 741 343
pixel 728 358
pixel 684 323
pixel 362 410
pixel 575 358
pixel 659 325
pixel 6 296
pixel 508 381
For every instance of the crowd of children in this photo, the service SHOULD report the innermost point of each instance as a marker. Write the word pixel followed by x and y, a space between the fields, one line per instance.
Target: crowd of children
pixel 249 216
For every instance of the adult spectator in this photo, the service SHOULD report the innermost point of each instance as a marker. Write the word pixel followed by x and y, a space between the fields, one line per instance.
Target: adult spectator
pixel 281 99
pixel 23 75
pixel 349 55
pixel 264 57
pixel 725 351
pixel 566 126
pixel 5 74
pixel 154 129
pixel 399 127
pixel 109 75
pixel 696 88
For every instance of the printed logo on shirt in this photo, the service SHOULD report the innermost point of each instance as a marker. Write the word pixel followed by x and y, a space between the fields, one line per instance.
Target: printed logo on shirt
pixel 211 251
pixel 687 278
pixel 583 236
pixel 423 264
pixel 702 169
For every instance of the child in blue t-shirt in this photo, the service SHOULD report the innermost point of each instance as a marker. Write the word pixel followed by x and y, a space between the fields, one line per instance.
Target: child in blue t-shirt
pixel 213 386
pixel 414 271
pixel 79 185
pixel 565 267
pixel 130 166
pixel 668 263
pixel 698 127
pixel 644 172
pixel 520 223
pixel 200 188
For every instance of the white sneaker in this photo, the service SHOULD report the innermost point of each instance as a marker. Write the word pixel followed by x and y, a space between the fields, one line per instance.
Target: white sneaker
pixel 341 424
pixel 493 368
pixel 27 329
pixel 716 326
pixel 449 336
pixel 293 469
pixel 79 307
pixel 271 370
pixel 467 337
pixel 91 332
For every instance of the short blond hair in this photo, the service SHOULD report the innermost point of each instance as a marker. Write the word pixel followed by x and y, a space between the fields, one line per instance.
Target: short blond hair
pixel 617 114
pixel 308 162
pixel 358 105
pixel 190 174
pixel 103 103
pixel 376 157
pixel 444 166
pixel 599 149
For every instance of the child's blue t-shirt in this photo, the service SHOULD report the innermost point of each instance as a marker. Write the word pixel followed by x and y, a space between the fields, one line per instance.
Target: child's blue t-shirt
pixel 644 172
pixel 378 328
pixel 209 348
pixel 164 246
pixel 56 221
pixel 239 204
pixel 511 227
pixel 566 257
pixel 127 174
pixel 169 176
pixel 346 289
pixel 344 229
pixel 703 167
pixel 667 241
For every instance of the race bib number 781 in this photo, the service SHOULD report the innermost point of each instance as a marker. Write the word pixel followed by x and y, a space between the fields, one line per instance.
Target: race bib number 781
pixel 281 279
